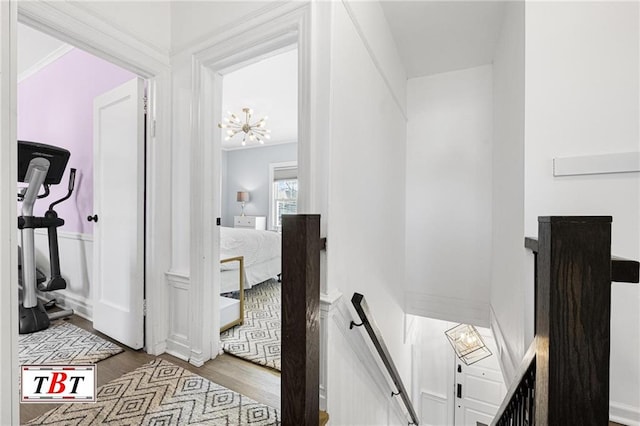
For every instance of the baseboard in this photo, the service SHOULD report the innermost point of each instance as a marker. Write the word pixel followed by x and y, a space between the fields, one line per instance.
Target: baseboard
pixel 196 359
pixel 447 308
pixel 80 305
pixel 624 414
pixel 158 349
pixel 178 350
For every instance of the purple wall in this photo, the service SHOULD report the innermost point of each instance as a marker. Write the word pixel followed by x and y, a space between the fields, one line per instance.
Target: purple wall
pixel 55 106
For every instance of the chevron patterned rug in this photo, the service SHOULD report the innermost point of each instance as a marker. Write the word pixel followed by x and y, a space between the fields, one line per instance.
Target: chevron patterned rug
pixel 258 339
pixel 161 393
pixel 64 343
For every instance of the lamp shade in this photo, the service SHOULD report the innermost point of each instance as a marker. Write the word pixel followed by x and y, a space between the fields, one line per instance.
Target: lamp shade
pixel 242 197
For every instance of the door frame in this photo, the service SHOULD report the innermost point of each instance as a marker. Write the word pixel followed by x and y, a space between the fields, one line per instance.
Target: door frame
pixel 275 29
pixel 76 26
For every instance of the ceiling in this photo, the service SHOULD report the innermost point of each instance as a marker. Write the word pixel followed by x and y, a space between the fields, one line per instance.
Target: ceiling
pixel 33 47
pixel 440 36
pixel 270 88
pixel 431 36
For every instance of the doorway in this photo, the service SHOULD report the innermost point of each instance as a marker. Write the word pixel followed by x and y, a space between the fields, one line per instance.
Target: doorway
pixel 288 28
pixel 264 92
pixel 74 26
pixel 77 101
pixel 479 388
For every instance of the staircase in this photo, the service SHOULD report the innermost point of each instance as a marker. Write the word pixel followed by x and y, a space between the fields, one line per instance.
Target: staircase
pixel 564 376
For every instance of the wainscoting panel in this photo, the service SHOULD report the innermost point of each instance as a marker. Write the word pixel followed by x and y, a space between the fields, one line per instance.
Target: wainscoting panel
pixel 356 370
pixel 327 303
pixel 76 267
pixel 178 294
pixel 434 409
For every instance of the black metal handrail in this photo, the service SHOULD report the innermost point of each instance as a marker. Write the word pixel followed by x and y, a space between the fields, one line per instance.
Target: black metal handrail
pixel 376 337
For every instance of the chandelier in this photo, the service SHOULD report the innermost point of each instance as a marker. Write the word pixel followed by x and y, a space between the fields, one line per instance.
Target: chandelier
pixel 467 343
pixel 255 131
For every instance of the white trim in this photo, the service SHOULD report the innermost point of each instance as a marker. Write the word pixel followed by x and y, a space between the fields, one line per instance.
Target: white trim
pixel 66 235
pixel 624 414
pixel 447 308
pixel 258 17
pixel 363 350
pixel 71 24
pixel 327 304
pixel 45 62
pixel 272 205
pixel 619 162
pixel 177 344
pixel 9 401
pixel 81 306
pixel 260 35
pixel 266 145
pixel 178 278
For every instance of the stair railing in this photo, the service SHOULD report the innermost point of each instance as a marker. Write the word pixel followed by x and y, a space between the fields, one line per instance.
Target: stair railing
pixel 565 372
pixel 369 324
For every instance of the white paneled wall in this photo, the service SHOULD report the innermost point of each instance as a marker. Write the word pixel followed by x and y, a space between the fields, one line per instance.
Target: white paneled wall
pixel 355 370
pixel 178 336
pixel 76 267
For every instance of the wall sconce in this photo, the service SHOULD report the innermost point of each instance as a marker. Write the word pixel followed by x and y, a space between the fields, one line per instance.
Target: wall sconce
pixel 467 343
pixel 242 197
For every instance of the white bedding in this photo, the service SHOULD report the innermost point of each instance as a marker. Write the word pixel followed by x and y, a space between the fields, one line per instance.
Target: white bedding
pixel 261 251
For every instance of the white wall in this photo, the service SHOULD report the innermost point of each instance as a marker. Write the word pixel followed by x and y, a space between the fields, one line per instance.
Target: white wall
pixel 582 98
pixel 448 229
pixel 511 280
pixel 366 205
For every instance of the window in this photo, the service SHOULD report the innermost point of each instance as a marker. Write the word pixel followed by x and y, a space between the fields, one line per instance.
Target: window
pixel 284 192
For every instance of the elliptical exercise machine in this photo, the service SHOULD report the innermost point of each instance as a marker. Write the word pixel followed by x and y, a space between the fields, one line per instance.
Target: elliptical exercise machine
pixel 39 165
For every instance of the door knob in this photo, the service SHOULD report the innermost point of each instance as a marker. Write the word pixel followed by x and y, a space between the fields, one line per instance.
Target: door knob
pixel 93 218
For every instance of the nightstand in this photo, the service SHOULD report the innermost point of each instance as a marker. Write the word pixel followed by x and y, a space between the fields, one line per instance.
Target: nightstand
pixel 250 222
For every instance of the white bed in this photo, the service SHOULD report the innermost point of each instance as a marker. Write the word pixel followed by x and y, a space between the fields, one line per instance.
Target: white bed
pixel 261 251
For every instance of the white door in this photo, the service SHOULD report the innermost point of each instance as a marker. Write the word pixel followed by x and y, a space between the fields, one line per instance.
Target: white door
pixel 479 389
pixel 118 274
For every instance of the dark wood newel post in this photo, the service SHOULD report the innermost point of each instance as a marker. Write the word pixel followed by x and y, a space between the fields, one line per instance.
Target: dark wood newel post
pixel 573 308
pixel 300 320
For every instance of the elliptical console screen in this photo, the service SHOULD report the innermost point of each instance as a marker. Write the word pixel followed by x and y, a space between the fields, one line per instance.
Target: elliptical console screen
pixel 58 158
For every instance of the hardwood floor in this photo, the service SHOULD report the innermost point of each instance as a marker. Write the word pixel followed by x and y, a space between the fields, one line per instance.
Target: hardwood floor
pixel 256 382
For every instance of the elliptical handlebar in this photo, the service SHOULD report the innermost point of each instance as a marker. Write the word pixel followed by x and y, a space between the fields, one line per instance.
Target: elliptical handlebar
pixel 72 180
